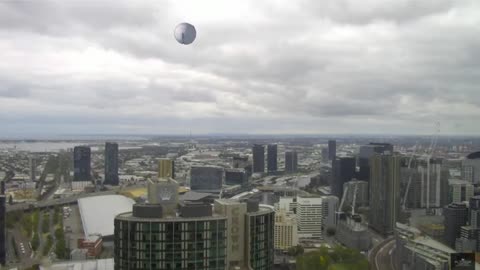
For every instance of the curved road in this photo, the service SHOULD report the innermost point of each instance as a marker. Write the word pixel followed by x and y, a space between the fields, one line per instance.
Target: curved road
pixel 381 257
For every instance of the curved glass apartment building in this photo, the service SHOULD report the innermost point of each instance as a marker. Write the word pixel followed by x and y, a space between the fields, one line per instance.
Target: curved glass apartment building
pixel 146 240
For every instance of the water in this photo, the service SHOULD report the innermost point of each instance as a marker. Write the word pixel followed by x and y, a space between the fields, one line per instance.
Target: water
pixel 51 146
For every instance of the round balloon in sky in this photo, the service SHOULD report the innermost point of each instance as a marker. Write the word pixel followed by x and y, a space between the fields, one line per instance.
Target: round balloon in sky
pixel 185 33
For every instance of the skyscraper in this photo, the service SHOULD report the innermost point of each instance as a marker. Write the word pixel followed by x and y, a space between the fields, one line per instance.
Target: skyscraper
pixel 286 230
pixel 365 153
pixel 81 164
pixel 3 236
pixel 459 190
pixel 343 169
pixel 471 168
pixel 111 164
pixel 272 158
pixel 166 168
pixel 235 177
pixel 332 149
pixel 206 178
pixel 456 216
pixel 291 161
pixel 384 192
pixel 258 152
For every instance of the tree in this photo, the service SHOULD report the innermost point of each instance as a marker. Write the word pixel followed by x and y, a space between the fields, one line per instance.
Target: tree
pixel 35 241
pixel 295 250
pixel 331 231
pixel 46 223
pixel 10 200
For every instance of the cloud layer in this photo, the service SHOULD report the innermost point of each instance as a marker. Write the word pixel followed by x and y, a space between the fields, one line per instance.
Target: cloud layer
pixel 332 66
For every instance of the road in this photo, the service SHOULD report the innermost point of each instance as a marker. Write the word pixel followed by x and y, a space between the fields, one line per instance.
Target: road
pixel 25 254
pixel 381 257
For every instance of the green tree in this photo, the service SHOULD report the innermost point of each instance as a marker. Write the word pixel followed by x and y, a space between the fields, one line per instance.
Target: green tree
pixel 331 231
pixel 46 223
pixel 10 200
pixel 35 241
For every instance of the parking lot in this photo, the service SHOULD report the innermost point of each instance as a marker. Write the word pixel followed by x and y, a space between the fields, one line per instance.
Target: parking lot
pixel 73 227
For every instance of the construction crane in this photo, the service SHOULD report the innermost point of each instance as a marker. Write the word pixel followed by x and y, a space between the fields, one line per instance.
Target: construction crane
pixel 345 192
pixel 425 156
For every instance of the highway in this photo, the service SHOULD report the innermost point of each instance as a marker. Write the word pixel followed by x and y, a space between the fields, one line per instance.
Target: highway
pixel 381 257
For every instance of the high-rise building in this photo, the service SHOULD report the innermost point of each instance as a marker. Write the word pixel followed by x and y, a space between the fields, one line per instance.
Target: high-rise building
pixel 310 217
pixel 459 190
pixel 272 158
pixel 239 162
pixel 330 207
pixel 343 169
pixel 162 235
pixel 286 230
pixel 332 149
pixel 206 178
pixel 166 168
pixel 471 168
pixel 384 192
pixel 3 236
pixel 165 192
pixel 250 237
pixel 456 216
pixel 431 177
pixel 235 177
pixel 291 161
pixel 365 153
pixel 33 168
pixel 474 208
pixel 258 152
pixel 111 164
pixel 81 164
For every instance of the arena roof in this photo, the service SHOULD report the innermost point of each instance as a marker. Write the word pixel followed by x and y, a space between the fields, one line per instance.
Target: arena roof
pixel 98 212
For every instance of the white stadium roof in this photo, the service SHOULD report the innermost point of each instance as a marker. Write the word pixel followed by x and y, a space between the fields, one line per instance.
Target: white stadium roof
pixel 98 213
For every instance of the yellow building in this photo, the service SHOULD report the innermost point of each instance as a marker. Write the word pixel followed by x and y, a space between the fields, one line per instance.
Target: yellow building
pixel 286 234
pixel 166 168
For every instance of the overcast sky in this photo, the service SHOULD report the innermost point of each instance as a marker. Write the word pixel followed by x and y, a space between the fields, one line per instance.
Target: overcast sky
pixel 276 66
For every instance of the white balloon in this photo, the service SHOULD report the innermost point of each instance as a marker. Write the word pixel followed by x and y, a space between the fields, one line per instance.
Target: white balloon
pixel 185 33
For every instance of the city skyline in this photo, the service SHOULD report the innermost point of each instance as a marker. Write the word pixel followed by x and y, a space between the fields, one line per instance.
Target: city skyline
pixel 271 67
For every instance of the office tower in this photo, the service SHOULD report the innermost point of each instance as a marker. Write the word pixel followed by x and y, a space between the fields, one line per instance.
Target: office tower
pixel 258 152
pixel 166 168
pixel 310 217
pixel 330 207
pixel 456 215
pixel 206 178
pixel 272 158
pixel 235 177
pixel 459 190
pixel 33 168
pixel 111 164
pixel 362 193
pixel 286 230
pixel 291 161
pixel 471 168
pixel 384 192
pixel 3 233
pixel 332 149
pixel 81 164
pixel 250 236
pixel 325 154
pixel 365 153
pixel 2 187
pixel 343 170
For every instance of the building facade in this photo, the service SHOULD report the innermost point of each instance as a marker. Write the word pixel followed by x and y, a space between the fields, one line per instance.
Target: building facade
pixel 330 207
pixel 332 149
pixel 286 230
pixel 291 161
pixel 384 192
pixel 81 164
pixel 258 152
pixel 471 168
pixel 111 164
pixel 206 178
pixel 456 216
pixel 272 158
pixel 361 199
pixel 235 177
pixel 309 212
pixel 343 171
pixel 166 168
pixel 3 232
pixel 365 153
pixel 459 190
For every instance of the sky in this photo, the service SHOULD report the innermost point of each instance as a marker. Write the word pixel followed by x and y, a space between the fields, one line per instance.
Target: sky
pixel 256 67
